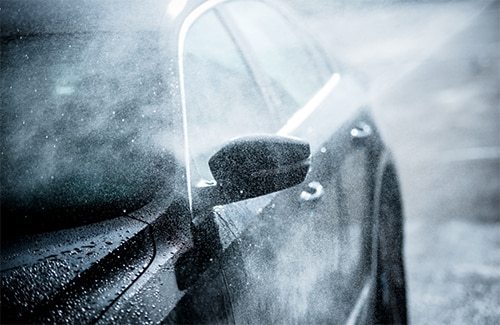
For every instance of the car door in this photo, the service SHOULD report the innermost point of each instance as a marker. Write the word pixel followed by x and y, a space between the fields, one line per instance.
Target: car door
pixel 303 254
pixel 325 226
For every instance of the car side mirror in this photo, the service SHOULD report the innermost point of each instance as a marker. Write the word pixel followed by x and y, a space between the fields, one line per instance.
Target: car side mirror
pixel 248 167
pixel 244 168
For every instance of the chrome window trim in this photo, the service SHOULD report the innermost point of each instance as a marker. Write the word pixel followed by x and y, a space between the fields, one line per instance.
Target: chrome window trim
pixel 186 25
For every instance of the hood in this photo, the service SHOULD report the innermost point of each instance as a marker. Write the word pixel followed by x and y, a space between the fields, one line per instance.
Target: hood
pixel 72 275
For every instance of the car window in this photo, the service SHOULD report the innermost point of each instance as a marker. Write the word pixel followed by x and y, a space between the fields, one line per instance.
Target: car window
pixel 294 67
pixel 83 124
pixel 223 100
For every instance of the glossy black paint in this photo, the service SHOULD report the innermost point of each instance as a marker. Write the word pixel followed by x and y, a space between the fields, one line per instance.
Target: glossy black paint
pixel 254 166
pixel 81 271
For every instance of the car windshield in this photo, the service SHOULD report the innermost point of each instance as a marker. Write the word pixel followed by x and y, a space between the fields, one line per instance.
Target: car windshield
pixel 84 123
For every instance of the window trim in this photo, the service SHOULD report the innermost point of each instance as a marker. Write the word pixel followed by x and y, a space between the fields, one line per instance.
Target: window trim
pixel 184 29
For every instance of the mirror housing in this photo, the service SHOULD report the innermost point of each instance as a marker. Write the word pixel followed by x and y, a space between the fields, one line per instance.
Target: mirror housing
pixel 248 167
pixel 244 168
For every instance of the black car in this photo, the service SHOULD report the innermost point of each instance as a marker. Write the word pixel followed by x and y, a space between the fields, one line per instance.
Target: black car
pixel 189 162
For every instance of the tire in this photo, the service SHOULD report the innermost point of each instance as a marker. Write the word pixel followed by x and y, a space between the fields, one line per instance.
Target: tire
pixel 390 304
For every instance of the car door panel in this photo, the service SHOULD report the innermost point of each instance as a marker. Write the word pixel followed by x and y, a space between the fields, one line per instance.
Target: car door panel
pixel 306 258
pixel 283 258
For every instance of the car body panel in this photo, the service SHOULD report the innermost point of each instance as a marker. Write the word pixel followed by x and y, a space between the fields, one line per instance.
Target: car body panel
pixel 301 255
pixel 234 220
pixel 56 268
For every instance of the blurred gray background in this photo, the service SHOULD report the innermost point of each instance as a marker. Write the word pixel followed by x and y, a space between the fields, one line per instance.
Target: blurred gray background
pixel 433 70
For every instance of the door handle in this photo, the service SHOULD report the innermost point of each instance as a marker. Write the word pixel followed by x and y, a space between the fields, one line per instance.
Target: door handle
pixel 313 192
pixel 361 130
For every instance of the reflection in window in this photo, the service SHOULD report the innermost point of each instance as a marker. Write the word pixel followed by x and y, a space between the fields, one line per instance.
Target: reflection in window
pixel 222 99
pixel 295 70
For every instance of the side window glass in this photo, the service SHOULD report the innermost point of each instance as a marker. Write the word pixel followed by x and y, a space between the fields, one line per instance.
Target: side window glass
pixel 294 69
pixel 222 99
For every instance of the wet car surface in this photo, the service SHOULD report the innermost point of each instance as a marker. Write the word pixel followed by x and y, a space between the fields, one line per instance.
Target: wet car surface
pixel 194 162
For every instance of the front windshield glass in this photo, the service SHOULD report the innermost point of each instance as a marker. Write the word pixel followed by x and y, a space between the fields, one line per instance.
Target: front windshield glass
pixel 84 123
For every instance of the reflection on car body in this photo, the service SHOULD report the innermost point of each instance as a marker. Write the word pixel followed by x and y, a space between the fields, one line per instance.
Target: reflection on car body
pixel 189 162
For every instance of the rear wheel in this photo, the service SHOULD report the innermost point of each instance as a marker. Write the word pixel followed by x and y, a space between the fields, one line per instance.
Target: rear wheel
pixel 390 307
